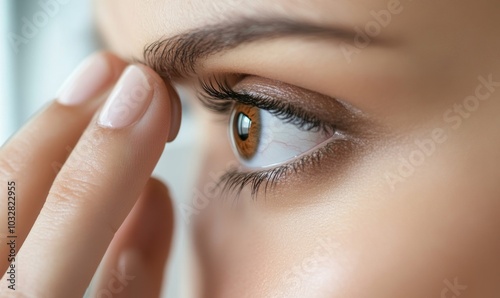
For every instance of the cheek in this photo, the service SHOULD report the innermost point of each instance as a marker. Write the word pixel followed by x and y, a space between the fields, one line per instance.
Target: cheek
pixel 413 242
pixel 439 225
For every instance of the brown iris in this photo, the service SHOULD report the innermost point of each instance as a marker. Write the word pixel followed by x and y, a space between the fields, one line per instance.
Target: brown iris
pixel 246 130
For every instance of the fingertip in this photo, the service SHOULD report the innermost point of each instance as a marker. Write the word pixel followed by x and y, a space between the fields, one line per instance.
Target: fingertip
pixel 160 206
pixel 158 191
pixel 156 184
pixel 176 114
pixel 92 77
pixel 174 101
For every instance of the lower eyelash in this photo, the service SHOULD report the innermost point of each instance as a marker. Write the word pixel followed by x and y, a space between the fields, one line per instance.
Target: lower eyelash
pixel 236 180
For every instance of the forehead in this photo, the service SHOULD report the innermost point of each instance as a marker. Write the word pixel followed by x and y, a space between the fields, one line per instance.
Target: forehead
pixel 428 32
pixel 128 25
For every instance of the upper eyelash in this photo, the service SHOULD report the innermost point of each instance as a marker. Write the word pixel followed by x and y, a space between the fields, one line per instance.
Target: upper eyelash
pixel 220 97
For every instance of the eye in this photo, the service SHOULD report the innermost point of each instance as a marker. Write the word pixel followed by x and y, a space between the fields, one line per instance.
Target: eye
pixel 278 130
pixel 262 140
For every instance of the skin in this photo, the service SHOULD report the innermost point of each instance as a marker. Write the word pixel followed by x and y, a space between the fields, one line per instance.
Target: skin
pixel 92 201
pixel 437 225
pixel 363 228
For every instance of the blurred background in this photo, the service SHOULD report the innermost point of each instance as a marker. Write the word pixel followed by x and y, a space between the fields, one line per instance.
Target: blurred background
pixel 35 59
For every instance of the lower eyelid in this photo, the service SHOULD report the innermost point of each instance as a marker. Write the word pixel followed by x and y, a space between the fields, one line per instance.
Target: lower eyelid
pixel 333 156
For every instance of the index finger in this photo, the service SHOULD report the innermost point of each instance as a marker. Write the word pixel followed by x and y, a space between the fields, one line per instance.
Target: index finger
pixel 96 188
pixel 34 155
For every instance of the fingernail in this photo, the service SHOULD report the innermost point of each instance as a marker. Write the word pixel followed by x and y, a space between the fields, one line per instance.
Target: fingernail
pixel 176 114
pixel 90 77
pixel 130 264
pixel 128 101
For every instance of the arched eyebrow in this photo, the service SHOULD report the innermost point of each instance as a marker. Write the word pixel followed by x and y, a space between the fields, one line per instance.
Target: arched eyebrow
pixel 179 56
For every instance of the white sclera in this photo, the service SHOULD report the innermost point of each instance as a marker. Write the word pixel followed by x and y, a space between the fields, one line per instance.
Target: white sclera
pixel 279 142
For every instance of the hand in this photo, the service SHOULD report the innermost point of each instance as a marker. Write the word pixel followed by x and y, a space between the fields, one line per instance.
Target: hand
pixel 68 212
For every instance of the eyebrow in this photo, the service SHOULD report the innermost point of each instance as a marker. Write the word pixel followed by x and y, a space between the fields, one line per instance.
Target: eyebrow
pixel 179 56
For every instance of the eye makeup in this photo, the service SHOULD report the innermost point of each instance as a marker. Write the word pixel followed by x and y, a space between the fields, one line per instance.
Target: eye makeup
pixel 317 127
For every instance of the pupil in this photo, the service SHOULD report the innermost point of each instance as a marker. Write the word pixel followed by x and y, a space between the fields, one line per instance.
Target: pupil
pixel 244 124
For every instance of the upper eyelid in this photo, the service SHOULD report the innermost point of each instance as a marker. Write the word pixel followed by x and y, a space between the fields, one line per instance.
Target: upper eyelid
pixel 333 115
pixel 285 111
